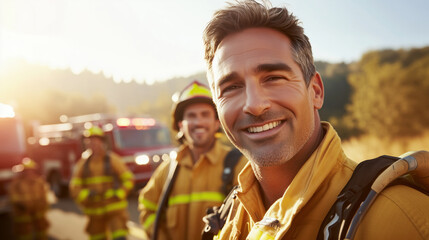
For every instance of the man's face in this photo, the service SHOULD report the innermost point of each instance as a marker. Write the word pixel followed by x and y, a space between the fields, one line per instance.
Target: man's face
pixel 29 172
pixel 95 144
pixel 264 105
pixel 199 125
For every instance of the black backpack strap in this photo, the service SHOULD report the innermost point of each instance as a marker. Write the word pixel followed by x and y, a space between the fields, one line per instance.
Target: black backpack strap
pixel 108 171
pixel 106 165
pixel 337 221
pixel 216 216
pixel 86 173
pixel 163 201
pixel 229 163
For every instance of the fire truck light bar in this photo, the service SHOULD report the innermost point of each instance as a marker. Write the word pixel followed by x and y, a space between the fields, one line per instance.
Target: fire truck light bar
pixel 137 122
pixel 123 122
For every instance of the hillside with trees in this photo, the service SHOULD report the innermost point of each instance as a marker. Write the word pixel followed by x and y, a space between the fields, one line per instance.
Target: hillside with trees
pixel 384 94
pixel 390 93
pixel 43 94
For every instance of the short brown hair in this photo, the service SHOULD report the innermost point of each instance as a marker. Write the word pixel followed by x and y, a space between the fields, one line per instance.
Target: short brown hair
pixel 251 14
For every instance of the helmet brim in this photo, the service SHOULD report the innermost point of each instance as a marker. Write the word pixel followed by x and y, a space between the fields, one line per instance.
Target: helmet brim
pixel 181 106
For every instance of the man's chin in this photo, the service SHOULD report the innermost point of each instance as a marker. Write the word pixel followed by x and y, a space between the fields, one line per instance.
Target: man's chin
pixel 266 155
pixel 197 142
pixel 201 143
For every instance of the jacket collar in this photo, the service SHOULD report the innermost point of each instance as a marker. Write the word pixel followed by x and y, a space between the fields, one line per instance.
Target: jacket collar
pixel 301 189
pixel 212 156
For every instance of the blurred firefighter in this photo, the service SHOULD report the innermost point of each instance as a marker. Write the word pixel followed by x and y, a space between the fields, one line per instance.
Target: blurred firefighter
pixel 28 194
pixel 100 185
pixel 174 201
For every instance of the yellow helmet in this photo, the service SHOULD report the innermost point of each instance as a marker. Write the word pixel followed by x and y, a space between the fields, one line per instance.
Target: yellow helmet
pixel 26 164
pixel 94 132
pixel 29 163
pixel 195 92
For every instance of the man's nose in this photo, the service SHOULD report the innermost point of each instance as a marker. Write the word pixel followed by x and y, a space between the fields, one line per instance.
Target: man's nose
pixel 198 119
pixel 257 100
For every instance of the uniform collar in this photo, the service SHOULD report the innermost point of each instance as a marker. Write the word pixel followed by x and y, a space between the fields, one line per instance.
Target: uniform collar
pixel 301 189
pixel 212 156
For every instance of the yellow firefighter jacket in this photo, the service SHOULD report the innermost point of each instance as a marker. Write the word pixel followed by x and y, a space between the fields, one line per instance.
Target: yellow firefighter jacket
pixel 399 212
pixel 29 192
pixel 196 188
pixel 94 189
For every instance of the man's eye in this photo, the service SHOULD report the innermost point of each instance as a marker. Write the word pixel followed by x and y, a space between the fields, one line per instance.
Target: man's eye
pixel 230 88
pixel 275 78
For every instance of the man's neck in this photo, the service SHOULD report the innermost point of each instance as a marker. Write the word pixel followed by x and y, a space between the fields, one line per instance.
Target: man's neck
pixel 196 151
pixel 274 180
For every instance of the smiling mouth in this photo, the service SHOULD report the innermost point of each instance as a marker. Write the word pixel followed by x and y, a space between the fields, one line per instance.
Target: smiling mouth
pixel 199 130
pixel 264 127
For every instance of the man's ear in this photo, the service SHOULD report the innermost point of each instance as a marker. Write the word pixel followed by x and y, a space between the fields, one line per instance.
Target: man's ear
pixel 180 125
pixel 317 91
pixel 217 125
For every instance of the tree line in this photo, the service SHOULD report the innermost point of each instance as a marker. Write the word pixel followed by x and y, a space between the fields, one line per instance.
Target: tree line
pixel 384 94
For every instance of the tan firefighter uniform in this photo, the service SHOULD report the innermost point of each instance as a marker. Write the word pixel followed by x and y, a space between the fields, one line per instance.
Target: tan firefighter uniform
pixel 28 195
pixel 94 190
pixel 307 200
pixel 198 184
pixel 197 187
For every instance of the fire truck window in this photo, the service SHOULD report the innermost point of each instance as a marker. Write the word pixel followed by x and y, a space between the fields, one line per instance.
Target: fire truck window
pixel 134 138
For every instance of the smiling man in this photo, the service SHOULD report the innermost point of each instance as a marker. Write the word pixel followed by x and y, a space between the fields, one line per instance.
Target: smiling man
pixel 268 93
pixel 199 182
pixel 270 111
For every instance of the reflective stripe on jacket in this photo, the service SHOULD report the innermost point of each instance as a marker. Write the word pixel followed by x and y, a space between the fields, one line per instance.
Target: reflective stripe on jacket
pixel 197 187
pixel 97 193
pixel 301 210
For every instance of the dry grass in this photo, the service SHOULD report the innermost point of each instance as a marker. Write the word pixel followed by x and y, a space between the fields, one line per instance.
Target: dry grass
pixel 368 147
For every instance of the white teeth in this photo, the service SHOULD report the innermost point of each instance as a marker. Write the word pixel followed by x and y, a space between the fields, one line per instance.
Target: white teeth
pixel 265 127
pixel 199 130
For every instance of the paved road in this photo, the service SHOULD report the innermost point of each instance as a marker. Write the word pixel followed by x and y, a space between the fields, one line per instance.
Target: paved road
pixel 68 222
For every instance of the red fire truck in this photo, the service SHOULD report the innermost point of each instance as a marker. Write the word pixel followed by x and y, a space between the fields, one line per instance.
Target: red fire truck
pixel 12 151
pixel 142 142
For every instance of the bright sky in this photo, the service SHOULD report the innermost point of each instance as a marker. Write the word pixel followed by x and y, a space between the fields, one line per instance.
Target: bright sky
pixel 156 40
